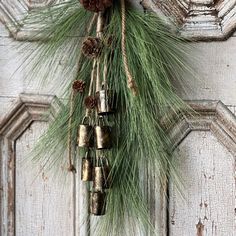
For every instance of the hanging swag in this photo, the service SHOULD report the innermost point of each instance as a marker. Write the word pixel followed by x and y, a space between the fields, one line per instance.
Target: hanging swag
pixel 122 103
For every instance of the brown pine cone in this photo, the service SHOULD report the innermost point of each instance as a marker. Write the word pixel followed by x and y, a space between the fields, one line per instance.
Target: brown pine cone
pixel 90 102
pixel 79 86
pixel 96 5
pixel 91 47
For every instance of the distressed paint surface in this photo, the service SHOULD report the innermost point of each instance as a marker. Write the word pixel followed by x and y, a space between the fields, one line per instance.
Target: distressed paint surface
pixel 198 19
pixel 209 208
pixel 208 172
pixel 43 205
pixel 201 20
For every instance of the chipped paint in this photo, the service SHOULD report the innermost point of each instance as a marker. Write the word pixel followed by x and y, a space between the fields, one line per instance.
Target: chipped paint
pixel 200 228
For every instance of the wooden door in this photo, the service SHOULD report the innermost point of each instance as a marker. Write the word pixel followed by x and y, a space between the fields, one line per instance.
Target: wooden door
pixel 35 203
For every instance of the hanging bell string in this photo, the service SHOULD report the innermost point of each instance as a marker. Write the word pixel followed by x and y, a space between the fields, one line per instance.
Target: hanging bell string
pixel 69 140
pixel 97 158
pixel 93 76
pixel 99 30
pixel 87 32
pixel 130 80
pixel 100 24
pixel 98 85
pixel 72 98
pixel 105 72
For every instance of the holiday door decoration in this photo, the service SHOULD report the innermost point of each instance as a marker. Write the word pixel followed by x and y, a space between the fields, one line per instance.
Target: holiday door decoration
pixel 125 62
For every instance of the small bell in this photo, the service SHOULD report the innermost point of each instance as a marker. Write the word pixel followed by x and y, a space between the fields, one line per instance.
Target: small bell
pixel 103 136
pixel 101 176
pixel 97 203
pixel 87 168
pixel 85 133
pixel 106 101
pixel 98 178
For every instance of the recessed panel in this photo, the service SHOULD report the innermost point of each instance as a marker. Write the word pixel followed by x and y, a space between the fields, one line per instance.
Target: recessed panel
pixel 207 204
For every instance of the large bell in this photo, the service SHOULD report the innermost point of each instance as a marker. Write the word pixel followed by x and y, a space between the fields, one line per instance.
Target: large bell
pixel 103 135
pixel 85 134
pixel 106 102
pixel 97 203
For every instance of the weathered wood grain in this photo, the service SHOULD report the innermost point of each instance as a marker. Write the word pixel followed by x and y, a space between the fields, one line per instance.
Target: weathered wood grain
pixel 205 153
pixel 27 109
pixel 198 20
pixel 215 65
pixel 43 203
pixel 13 12
pixel 208 172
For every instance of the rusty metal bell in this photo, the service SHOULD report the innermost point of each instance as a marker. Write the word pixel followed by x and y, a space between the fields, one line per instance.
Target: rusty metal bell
pixel 103 136
pixel 106 101
pixel 101 176
pixel 98 178
pixel 98 203
pixel 87 168
pixel 85 133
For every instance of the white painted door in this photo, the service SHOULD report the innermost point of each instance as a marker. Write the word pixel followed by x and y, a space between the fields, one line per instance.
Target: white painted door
pixel 37 204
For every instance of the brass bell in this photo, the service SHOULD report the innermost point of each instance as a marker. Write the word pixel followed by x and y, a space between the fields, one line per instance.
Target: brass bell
pixel 97 203
pixel 87 168
pixel 106 101
pixel 85 133
pixel 101 176
pixel 98 178
pixel 103 136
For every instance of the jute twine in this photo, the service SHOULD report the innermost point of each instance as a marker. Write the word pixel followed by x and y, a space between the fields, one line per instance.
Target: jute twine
pixel 130 80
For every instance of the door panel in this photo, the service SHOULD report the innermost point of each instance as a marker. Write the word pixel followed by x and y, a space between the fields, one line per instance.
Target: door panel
pixel 208 172
pixel 43 204
pixel 38 204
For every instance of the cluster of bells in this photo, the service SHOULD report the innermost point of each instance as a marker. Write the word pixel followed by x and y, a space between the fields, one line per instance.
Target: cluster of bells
pixel 97 136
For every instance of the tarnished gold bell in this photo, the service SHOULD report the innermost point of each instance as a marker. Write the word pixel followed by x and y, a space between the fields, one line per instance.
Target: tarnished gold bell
pixel 101 176
pixel 97 203
pixel 98 178
pixel 106 102
pixel 87 169
pixel 85 134
pixel 103 136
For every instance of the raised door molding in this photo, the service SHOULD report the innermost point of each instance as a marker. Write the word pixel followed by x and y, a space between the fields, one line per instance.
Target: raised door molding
pixel 211 116
pixel 205 151
pixel 13 12
pixel 27 109
pixel 199 19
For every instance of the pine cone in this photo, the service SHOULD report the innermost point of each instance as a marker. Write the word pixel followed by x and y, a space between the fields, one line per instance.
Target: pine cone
pixel 79 86
pixel 96 5
pixel 90 102
pixel 91 47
